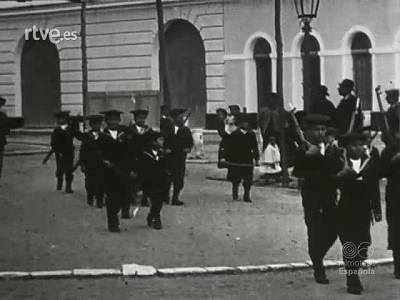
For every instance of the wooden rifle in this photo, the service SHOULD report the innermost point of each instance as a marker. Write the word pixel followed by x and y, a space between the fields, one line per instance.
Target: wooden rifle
pixel 354 115
pixel 305 144
pixel 386 128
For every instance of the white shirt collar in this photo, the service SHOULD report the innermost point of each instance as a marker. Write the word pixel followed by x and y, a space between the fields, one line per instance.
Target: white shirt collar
pixel 140 129
pixel 176 129
pixel 64 126
pixel 243 131
pixel 113 133
pixel 356 164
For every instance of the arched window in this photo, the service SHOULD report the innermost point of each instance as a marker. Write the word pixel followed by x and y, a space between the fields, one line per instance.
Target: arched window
pixel 262 58
pixel 362 69
pixel 311 68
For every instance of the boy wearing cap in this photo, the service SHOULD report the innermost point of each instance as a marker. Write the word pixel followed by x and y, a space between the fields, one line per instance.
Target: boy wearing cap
pixel 239 151
pixel 358 205
pixel 62 144
pixel 91 162
pixel 390 161
pixel 118 168
pixel 139 130
pixel 316 164
pixel 177 146
pixel 153 173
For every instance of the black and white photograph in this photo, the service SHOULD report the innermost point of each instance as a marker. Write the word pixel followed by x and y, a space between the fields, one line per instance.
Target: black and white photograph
pixel 200 149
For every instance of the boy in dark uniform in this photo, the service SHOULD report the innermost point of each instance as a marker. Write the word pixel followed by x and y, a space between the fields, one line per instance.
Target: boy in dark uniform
pixel 239 151
pixel 119 166
pixel 62 144
pixel 92 163
pixel 391 170
pixel 316 164
pixel 139 131
pixel 153 173
pixel 177 146
pixel 359 196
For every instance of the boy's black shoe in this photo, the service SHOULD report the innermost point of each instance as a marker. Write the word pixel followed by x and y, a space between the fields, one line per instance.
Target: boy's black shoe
pixel 115 229
pixel 68 189
pixel 177 202
pixel 319 273
pixel 354 285
pixel 157 224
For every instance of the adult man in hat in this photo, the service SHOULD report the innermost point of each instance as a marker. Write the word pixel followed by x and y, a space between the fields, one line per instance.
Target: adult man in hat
pixel 177 146
pixel 139 130
pixel 239 151
pixel 153 173
pixel 393 112
pixel 346 108
pixel 321 105
pixel 4 131
pixel 359 203
pixel 119 165
pixel 316 164
pixel 62 144
pixel 91 161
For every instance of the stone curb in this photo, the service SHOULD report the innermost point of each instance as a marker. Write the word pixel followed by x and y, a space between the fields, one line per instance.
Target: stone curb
pixel 134 270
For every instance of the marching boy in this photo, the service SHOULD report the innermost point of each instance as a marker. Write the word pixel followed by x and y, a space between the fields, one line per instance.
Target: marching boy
pixel 391 170
pixel 153 173
pixel 91 162
pixel 62 144
pixel 359 203
pixel 239 152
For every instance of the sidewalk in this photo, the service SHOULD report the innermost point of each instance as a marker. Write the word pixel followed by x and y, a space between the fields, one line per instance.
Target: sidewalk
pixel 282 285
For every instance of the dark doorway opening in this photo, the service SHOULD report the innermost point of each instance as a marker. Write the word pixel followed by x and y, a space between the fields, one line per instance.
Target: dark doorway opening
pixel 40 82
pixel 187 70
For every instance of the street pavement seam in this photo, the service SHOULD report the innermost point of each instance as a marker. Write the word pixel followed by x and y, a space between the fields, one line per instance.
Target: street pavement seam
pixel 135 270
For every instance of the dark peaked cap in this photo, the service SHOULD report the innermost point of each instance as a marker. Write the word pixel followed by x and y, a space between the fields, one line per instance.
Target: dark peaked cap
pixel 346 139
pixel 177 111
pixel 62 114
pixel 138 112
pixel 316 119
pixel 95 118
pixel 112 112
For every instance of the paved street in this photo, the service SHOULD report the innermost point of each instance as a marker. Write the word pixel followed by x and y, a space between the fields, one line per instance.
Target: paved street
pixel 43 229
pixel 284 285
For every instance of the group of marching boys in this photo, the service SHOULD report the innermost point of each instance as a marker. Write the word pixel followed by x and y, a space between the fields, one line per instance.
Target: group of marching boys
pixel 333 152
pixel 118 161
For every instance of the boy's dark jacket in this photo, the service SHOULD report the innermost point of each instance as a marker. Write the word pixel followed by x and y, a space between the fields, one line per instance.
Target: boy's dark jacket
pixel 239 147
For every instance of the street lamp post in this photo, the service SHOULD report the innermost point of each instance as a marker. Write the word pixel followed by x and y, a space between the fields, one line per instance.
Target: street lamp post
pixel 306 11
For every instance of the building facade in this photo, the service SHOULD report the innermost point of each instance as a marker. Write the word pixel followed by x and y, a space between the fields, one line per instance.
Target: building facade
pixel 219 52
